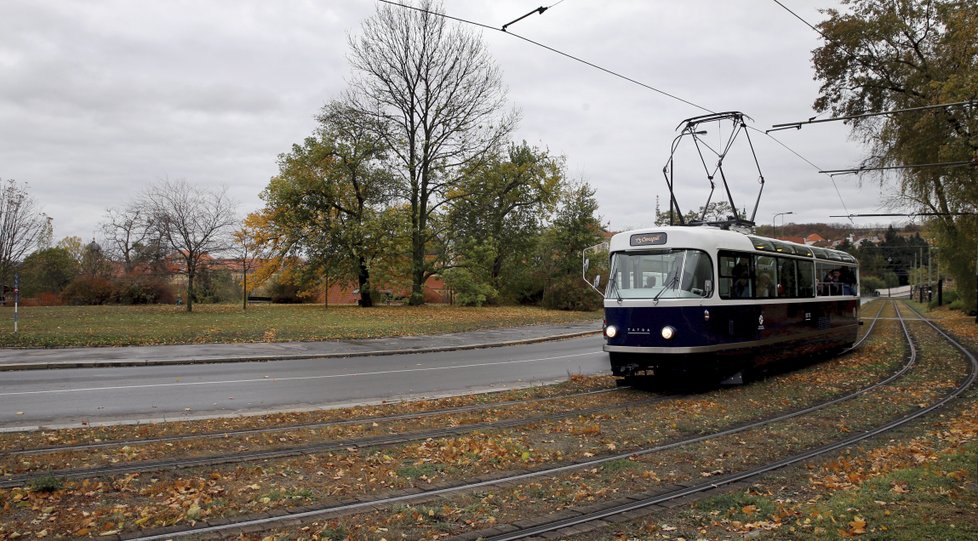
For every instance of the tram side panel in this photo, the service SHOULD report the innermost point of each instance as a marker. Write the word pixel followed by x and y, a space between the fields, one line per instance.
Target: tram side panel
pixel 731 335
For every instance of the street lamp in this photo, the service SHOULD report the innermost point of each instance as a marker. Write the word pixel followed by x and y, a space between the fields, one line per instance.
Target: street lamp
pixel 774 221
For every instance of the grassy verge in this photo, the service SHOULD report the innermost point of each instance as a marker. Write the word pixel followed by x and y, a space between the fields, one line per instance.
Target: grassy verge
pixel 61 326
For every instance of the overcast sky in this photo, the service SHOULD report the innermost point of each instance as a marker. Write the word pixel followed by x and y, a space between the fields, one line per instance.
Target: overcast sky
pixel 99 99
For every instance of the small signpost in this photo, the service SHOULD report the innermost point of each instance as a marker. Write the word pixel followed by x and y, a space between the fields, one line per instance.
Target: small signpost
pixel 16 300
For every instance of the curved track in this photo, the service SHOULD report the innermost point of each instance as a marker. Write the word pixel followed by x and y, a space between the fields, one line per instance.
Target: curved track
pixel 360 506
pixel 663 498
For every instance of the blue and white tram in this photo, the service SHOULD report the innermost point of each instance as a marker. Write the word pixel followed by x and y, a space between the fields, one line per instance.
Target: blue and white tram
pixel 704 302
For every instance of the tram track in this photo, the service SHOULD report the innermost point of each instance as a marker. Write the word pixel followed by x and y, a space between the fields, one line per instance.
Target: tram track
pixel 334 445
pixel 360 506
pixel 294 451
pixel 224 434
pixel 641 504
pixel 577 464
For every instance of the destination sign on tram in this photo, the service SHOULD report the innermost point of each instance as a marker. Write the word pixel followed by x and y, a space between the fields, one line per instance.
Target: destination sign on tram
pixel 647 239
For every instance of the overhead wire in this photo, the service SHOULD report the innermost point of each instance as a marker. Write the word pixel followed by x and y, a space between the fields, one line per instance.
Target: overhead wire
pixel 553 50
pixel 610 72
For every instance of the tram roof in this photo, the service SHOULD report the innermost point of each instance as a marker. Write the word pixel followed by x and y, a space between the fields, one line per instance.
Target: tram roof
pixel 713 238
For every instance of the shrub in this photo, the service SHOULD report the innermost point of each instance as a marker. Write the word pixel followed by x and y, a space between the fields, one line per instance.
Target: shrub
pixel 87 290
pixel 48 298
pixel 869 285
pixel 468 289
pixel 284 293
pixel 142 289
pixel 570 293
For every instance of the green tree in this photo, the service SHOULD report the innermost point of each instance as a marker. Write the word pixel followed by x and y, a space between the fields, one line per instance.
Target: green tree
pixel 329 203
pixel 437 97
pixel 47 271
pixel 575 227
pixel 884 55
pixel 496 223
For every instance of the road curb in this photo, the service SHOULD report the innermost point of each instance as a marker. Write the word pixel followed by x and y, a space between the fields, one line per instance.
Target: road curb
pixel 11 367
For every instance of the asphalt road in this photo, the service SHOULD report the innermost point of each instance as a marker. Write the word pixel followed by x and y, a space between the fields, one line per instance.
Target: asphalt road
pixel 70 397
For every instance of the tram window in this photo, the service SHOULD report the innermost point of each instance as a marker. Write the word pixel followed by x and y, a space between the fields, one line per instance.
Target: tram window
pixel 736 275
pixel 847 277
pixel 766 268
pixel 660 274
pixel 806 278
pixel 836 279
pixel 787 278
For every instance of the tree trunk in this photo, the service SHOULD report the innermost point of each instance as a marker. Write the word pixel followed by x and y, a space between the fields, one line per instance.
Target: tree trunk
pixel 417 270
pixel 417 250
pixel 363 280
pixel 189 303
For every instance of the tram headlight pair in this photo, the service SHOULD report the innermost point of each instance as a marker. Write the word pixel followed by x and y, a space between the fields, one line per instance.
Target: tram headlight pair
pixel 667 332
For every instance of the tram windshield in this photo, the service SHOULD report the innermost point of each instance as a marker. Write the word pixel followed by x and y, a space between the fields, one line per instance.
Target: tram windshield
pixel 660 274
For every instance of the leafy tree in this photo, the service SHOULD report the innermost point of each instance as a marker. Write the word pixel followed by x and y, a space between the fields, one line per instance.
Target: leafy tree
pixel 574 228
pixel 329 202
pixel 73 245
pixel 22 226
pixel 437 97
pixel 496 223
pixel 192 221
pixel 470 281
pixel 47 271
pixel 883 55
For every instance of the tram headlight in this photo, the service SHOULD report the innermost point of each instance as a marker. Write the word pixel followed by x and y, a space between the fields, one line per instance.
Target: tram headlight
pixel 668 332
pixel 611 331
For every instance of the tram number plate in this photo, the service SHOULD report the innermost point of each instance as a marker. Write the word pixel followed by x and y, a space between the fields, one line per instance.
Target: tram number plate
pixel 647 239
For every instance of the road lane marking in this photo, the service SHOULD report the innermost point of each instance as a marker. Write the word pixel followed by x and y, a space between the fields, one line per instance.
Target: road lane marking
pixel 295 378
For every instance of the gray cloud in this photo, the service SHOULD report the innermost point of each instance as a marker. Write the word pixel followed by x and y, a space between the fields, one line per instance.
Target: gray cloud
pixel 98 99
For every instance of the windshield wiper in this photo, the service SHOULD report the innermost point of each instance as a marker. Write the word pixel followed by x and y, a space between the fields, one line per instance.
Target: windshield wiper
pixel 668 285
pixel 613 285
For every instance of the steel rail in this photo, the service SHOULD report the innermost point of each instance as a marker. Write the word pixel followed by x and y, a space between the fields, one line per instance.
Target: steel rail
pixel 299 426
pixel 300 450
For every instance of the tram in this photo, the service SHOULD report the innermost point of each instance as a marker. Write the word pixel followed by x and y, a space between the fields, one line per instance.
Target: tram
pixel 704 302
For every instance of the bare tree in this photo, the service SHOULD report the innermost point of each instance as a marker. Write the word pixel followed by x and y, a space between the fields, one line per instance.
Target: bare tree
pixel 21 226
pixel 192 221
pixel 439 98
pixel 126 231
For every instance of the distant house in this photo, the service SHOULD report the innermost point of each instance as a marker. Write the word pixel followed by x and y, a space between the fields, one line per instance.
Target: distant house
pixel 796 240
pixel 813 239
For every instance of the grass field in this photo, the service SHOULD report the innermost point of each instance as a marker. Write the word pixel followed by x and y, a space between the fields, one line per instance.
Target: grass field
pixel 58 326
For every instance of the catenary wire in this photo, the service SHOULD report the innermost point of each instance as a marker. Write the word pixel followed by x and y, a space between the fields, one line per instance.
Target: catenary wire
pixel 614 74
